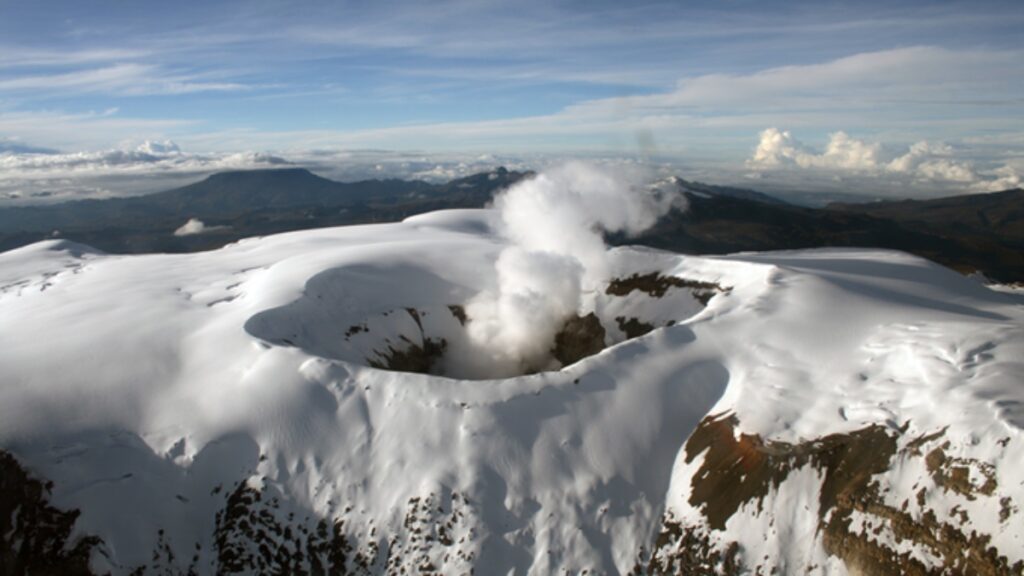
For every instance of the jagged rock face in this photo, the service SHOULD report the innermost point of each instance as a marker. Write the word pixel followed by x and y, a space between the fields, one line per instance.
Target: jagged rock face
pixel 35 537
pixel 735 474
pixel 257 531
pixel 581 336
pixel 863 518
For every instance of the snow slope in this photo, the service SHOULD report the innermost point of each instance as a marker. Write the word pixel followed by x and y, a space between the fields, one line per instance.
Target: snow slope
pixel 216 412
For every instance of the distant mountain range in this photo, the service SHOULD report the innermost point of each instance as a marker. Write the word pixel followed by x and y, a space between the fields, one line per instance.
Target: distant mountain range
pixel 237 205
pixel 982 232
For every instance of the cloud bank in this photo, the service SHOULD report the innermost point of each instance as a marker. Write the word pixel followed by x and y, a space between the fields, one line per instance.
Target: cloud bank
pixel 32 175
pixel 922 163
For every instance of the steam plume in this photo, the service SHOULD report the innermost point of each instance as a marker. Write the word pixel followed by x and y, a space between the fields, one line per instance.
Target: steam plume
pixel 555 258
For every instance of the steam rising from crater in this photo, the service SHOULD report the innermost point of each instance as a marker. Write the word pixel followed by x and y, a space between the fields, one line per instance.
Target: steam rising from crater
pixel 557 257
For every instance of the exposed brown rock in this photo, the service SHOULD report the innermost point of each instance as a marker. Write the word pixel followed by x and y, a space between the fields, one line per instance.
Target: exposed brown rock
pixel 682 550
pixel 955 473
pixel 632 327
pixel 582 336
pixel 737 469
pixel 656 285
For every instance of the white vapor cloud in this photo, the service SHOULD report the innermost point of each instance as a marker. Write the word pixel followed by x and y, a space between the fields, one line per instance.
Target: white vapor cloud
pixel 192 227
pixel 554 223
pixel 196 226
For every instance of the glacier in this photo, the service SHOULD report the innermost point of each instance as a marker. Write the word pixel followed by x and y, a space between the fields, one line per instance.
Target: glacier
pixel 229 412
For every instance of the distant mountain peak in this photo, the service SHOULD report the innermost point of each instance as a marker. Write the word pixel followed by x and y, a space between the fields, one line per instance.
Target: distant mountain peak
pixel 700 188
pixel 296 171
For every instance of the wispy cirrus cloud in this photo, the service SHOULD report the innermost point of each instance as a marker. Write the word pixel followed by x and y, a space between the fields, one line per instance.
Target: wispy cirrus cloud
pixel 118 79
pixel 871 91
pixel 920 75
pixel 90 130
pixel 18 57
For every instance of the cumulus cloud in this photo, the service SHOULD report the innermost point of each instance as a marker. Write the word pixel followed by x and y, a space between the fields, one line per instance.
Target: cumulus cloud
pixel 923 162
pixel 1005 178
pixel 778 148
pixel 556 256
pixel 159 148
pixel 933 161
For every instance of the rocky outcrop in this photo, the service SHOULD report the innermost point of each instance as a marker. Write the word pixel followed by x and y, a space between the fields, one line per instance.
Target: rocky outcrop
pixel 35 537
pixel 857 522
pixel 656 285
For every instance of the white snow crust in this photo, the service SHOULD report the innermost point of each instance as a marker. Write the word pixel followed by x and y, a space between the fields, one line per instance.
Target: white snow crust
pixel 139 384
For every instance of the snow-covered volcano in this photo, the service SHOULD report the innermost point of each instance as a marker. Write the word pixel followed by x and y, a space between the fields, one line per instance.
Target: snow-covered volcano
pixel 243 411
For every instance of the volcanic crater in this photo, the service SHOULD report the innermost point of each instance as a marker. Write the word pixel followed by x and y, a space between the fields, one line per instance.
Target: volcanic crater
pixel 417 335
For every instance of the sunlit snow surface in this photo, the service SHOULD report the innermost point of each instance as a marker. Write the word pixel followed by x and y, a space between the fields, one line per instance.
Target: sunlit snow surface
pixel 139 384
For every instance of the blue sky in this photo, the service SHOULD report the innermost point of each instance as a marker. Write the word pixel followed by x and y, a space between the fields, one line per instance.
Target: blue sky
pixel 698 83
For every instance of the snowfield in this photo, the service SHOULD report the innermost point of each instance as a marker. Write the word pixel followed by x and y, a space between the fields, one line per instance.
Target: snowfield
pixel 220 412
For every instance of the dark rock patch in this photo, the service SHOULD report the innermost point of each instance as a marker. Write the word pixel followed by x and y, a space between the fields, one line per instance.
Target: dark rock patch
pixel 35 537
pixel 582 336
pixel 417 358
pixel 954 474
pixel 656 285
pixel 632 327
pixel 355 329
pixel 459 312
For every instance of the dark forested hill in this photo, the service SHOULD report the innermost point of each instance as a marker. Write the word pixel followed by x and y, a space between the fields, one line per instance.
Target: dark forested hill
pixel 240 204
pixel 969 233
pixel 983 232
